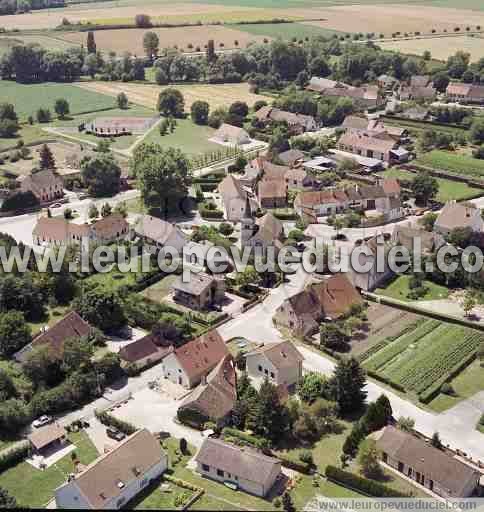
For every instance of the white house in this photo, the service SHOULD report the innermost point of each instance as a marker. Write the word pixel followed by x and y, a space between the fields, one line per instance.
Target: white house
pixel 281 363
pixel 188 364
pixel 230 134
pixel 248 469
pixel 158 233
pixel 116 477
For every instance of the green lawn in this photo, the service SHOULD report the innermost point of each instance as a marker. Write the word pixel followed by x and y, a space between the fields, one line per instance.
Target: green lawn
pixel 47 41
pixel 111 281
pixel 158 291
pixel 448 189
pixel 422 125
pixel 287 31
pixel 156 499
pixel 53 315
pixel 27 98
pixel 399 289
pixel 465 385
pixel 33 487
pixel 191 138
pixel 424 355
pixel 452 162
pixel 28 134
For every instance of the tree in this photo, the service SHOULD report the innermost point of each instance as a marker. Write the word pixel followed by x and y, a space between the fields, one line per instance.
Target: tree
pixel 312 386
pixel 217 117
pixel 6 500
pixel 163 176
pixel 13 415
pixel 93 212
pixel 268 419
pixel 287 504
pixel 40 367
pixel 477 131
pixel 183 446
pixel 7 386
pixel 428 221
pixel 353 440
pixel 211 56
pixel 436 442
pixel 101 174
pixel 239 109
pixel 91 43
pixel 106 210
pixel 43 115
pixel 76 355
pixel 405 423
pixel 332 336
pixel 377 414
pixel 122 101
pixel 348 384
pixel 441 80
pixel 199 112
pixel 424 187
pixel 469 303
pixel 239 361
pixel 8 121
pixel 121 209
pixel 368 459
pixel 47 160
pixel 14 333
pixel 101 309
pixel 171 102
pixel 68 214
pixel 142 20
pixel 226 229
pixel 151 44
pixel 61 108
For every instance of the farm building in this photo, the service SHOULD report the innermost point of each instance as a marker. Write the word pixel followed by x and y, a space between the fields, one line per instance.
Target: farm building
pixel 116 477
pixel 266 231
pixel 233 135
pixel 435 469
pixel 236 198
pixel 243 467
pixel 299 123
pixel 465 93
pixel 458 215
pixel 116 126
pixel 365 144
pixel 46 186
pixel 158 233
pixel 143 352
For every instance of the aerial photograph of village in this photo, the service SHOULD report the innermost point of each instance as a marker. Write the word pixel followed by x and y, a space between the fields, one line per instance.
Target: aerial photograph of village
pixel 242 255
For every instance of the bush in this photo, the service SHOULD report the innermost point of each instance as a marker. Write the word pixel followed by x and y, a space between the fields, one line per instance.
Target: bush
pixel 192 418
pixel 307 457
pixel 296 465
pixel 361 484
pixel 109 420
pixel 14 456
pixel 257 442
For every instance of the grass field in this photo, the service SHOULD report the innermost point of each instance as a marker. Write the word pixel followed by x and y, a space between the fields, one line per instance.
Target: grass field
pixel 448 189
pixel 420 125
pixel 465 385
pixel 158 291
pixel 440 47
pixel 287 31
pixel 423 355
pixel 220 95
pixel 399 289
pixel 48 42
pixel 32 487
pixel 27 98
pixel 452 162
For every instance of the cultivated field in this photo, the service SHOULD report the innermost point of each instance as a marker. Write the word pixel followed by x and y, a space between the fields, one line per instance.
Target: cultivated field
pixel 286 31
pixel 452 162
pixel 423 356
pixel 219 95
pixel 131 40
pixel 386 19
pixel 440 47
pixel 27 98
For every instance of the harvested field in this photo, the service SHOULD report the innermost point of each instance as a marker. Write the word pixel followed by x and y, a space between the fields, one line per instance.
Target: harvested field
pixel 147 95
pixel 440 47
pixel 286 31
pixel 386 19
pixel 131 40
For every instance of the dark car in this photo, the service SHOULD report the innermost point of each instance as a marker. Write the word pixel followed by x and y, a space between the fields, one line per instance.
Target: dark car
pixel 115 434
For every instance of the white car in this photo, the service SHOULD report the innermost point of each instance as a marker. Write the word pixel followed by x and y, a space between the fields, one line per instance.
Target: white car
pixel 43 420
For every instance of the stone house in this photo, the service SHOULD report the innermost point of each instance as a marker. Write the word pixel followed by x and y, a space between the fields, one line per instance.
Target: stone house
pixel 437 470
pixel 458 215
pixel 266 231
pixel 188 364
pixel 231 135
pixel 234 197
pixel 280 363
pixel 465 93
pixel 272 194
pixel 47 186
pixel 115 477
pixel 201 291
pixel 215 397
pixel 328 299
pixel 143 352
pixel 158 233
pixel 370 146
pixel 249 470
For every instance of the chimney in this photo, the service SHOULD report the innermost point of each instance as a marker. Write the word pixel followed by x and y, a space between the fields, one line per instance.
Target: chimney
pixel 203 381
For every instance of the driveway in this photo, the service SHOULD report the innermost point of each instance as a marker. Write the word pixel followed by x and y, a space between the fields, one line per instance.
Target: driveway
pixel 115 344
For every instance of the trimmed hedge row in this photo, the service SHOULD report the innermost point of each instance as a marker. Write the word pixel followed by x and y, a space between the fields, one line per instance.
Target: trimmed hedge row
pixel 385 380
pixel 182 483
pixel 256 442
pixel 109 420
pixel 296 465
pixel 362 484
pixel 14 456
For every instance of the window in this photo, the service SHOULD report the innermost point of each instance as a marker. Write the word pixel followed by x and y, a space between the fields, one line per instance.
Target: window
pixel 272 375
pixel 205 467
pixel 220 472
pixel 259 368
pixel 266 371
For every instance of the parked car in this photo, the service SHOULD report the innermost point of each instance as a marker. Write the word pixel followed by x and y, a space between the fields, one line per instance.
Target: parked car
pixel 43 420
pixel 115 434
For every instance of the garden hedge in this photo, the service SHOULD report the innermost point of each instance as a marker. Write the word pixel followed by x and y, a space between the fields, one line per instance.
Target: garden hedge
pixel 362 484
pixel 14 456
pixel 109 420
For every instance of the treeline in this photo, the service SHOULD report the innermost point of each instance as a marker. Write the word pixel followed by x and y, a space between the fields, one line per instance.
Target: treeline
pixel 21 6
